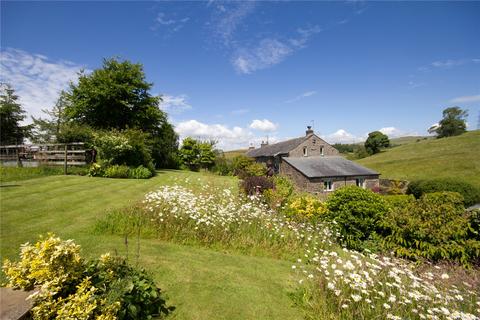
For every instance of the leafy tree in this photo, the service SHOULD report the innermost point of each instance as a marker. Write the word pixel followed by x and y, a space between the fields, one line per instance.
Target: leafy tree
pixel 190 153
pixel 117 96
pixel 11 114
pixel 196 154
pixel 46 130
pixel 376 141
pixel 452 124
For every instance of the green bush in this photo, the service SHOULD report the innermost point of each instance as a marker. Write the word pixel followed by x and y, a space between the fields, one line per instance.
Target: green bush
pixel 279 196
pixel 356 212
pixel 117 171
pixel 140 172
pixel 127 147
pixel 434 227
pixel 222 166
pixel 72 288
pixel 471 194
pixel 244 166
pixel 399 200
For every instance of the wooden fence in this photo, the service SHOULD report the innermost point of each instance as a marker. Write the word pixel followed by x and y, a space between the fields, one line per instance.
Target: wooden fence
pixel 70 154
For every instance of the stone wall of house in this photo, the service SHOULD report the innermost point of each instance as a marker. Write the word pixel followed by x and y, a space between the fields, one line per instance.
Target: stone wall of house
pixel 316 185
pixel 314 145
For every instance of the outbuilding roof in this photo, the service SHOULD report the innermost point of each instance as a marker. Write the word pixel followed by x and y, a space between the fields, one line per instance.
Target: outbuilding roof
pixel 279 148
pixel 328 166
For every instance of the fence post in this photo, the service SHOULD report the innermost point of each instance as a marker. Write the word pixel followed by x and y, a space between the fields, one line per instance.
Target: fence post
pixel 65 163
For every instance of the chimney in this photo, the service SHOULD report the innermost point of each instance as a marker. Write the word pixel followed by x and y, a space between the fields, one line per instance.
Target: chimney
pixel 309 131
pixel 263 144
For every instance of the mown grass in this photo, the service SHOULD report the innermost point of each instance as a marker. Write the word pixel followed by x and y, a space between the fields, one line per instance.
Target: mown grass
pixel 453 157
pixel 9 174
pixel 201 283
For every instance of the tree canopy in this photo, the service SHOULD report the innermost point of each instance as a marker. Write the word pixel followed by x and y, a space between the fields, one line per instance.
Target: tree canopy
pixel 46 130
pixel 11 114
pixel 115 96
pixel 376 141
pixel 196 154
pixel 452 124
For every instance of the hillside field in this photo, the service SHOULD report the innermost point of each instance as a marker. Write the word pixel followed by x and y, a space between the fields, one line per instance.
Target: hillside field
pixel 453 157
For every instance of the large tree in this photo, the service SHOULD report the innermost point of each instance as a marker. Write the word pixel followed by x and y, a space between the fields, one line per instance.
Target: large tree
pixel 197 154
pixel 376 141
pixel 452 124
pixel 117 96
pixel 11 115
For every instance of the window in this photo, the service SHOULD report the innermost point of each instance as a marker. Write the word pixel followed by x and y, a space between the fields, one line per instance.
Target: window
pixel 360 182
pixel 305 151
pixel 321 150
pixel 328 185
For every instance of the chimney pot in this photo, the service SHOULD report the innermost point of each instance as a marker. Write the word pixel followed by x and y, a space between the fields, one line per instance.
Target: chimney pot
pixel 309 131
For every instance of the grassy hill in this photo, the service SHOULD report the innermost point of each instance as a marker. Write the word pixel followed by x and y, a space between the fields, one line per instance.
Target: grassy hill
pixel 407 140
pixel 454 157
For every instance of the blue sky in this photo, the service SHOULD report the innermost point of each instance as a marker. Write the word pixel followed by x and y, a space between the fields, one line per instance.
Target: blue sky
pixel 241 71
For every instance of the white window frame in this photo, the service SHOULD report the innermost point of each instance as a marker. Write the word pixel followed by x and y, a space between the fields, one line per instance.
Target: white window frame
pixel 328 185
pixel 358 184
pixel 305 151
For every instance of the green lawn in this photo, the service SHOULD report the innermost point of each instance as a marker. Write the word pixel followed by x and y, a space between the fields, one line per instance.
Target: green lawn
pixel 200 283
pixel 453 157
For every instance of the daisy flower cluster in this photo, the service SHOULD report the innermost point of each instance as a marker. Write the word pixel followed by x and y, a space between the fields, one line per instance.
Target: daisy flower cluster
pixel 352 285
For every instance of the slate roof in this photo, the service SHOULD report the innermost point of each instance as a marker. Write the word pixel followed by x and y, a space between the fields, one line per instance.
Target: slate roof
pixel 328 166
pixel 276 148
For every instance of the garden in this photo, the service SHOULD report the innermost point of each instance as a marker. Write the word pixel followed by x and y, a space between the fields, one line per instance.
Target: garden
pixel 358 255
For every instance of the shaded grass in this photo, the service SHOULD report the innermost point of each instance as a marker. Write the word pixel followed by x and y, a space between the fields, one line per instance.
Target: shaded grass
pixel 200 283
pixel 453 157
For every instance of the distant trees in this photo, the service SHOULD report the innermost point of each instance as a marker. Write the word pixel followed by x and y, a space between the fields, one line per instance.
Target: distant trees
pixel 196 154
pixel 452 124
pixel 11 114
pixel 376 141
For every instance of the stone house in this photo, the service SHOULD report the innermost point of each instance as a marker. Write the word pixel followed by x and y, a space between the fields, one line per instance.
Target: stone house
pixel 314 165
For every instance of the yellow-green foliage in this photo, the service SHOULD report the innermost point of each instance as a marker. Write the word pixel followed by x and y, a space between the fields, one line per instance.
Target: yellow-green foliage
pixel 67 287
pixel 50 262
pixel 306 207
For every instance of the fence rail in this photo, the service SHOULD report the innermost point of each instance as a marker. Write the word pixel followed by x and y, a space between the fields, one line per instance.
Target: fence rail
pixel 69 154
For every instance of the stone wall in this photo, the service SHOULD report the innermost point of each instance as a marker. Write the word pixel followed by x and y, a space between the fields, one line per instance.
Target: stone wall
pixel 314 145
pixel 316 185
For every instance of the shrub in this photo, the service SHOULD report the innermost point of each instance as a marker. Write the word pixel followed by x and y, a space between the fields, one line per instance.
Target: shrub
pixel 126 147
pixel 306 207
pixel 282 191
pixel 72 288
pixel 140 172
pixel 399 201
pixel 222 166
pixel 356 212
pixel 475 224
pixel 434 227
pixel 471 194
pixel 117 171
pixel 254 185
pixel 244 166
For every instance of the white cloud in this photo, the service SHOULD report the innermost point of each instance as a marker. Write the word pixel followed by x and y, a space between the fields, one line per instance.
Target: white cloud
pixel 228 17
pixel 172 24
pixel 228 138
pixel 466 99
pixel 175 104
pixel 448 64
pixel 392 132
pixel 263 125
pixel 37 80
pixel 301 96
pixel 341 136
pixel 270 51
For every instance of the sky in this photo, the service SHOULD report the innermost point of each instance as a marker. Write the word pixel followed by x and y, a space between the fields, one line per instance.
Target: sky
pixel 243 72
